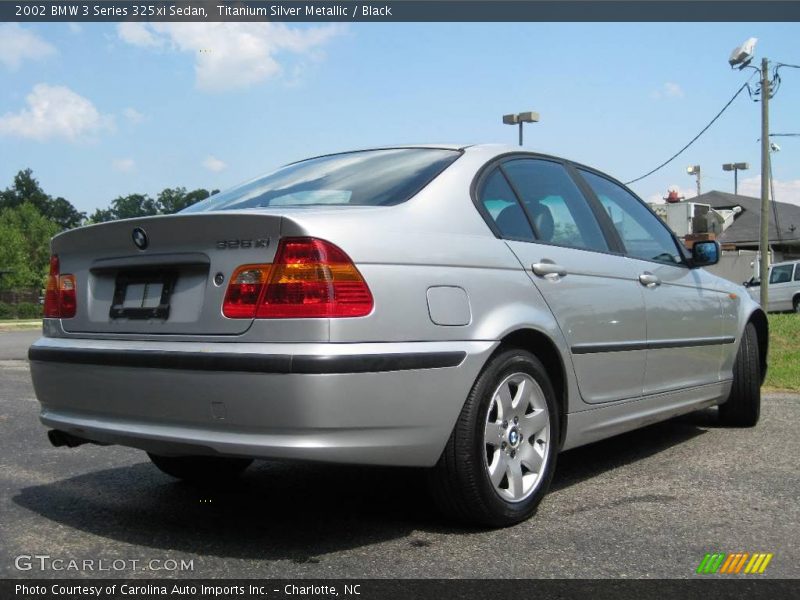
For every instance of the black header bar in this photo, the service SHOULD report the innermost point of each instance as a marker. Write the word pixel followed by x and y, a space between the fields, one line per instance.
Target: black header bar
pixel 752 587
pixel 394 11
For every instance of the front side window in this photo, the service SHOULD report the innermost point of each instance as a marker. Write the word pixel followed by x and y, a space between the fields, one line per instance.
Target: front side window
pixel 781 274
pixel 371 178
pixel 797 272
pixel 557 208
pixel 645 236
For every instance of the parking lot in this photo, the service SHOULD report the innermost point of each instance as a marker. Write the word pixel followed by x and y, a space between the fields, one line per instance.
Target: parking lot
pixel 646 504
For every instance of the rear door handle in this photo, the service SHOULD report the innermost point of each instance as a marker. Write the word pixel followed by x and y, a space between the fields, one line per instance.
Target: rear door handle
pixel 548 267
pixel 647 279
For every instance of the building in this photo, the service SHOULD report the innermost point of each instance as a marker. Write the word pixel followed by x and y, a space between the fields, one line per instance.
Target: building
pixel 735 222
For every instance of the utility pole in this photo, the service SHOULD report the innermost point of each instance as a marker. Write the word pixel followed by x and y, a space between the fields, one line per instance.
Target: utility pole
pixel 763 246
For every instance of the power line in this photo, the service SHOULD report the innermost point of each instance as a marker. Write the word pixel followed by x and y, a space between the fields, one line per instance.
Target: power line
pixel 744 86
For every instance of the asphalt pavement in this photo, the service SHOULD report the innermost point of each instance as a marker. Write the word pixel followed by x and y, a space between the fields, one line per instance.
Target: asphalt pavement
pixel 646 504
pixel 14 344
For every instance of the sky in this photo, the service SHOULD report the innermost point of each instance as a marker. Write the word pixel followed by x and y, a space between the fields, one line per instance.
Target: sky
pixel 102 110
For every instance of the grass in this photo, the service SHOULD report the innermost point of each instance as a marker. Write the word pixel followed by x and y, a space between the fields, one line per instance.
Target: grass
pixel 784 352
pixel 19 324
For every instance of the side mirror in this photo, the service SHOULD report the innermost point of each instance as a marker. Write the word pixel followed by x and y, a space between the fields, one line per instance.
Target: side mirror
pixel 705 254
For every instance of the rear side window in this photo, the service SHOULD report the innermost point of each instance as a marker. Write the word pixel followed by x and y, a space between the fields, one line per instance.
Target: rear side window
pixel 502 206
pixel 645 236
pixel 796 272
pixel 781 274
pixel 557 208
pixel 371 178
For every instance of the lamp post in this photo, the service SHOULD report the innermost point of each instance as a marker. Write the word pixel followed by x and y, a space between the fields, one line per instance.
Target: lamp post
pixel 736 167
pixel 740 58
pixel 695 170
pixel 519 119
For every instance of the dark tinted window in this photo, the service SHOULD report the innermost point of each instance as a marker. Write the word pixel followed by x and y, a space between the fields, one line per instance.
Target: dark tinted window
pixel 372 178
pixel 797 273
pixel 559 212
pixel 644 234
pixel 781 274
pixel 500 202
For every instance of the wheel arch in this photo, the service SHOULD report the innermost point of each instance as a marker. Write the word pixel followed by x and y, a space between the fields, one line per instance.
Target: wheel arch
pixel 543 348
pixel 759 320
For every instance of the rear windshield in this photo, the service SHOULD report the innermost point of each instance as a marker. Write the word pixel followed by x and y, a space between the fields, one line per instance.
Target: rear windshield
pixel 370 178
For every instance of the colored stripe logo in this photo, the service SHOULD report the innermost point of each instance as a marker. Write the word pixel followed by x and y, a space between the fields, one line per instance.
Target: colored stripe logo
pixel 734 564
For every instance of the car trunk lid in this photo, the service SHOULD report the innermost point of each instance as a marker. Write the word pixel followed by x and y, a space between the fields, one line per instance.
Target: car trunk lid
pixel 162 275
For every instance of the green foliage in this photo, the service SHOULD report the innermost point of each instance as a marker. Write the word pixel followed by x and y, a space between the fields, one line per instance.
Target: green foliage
pixel 7 311
pixel 29 218
pixel 784 352
pixel 25 251
pixel 126 207
pixel 22 310
pixel 27 189
pixel 169 201
pixel 172 200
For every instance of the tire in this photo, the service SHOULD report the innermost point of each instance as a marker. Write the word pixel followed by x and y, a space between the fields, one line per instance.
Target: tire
pixel 494 470
pixel 796 304
pixel 201 469
pixel 743 407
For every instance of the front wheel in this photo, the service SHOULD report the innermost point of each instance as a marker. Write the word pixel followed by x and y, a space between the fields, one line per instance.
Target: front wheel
pixel 501 455
pixel 796 304
pixel 201 469
pixel 743 407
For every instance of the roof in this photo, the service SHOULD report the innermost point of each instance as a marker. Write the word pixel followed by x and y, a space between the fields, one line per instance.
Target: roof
pixel 746 226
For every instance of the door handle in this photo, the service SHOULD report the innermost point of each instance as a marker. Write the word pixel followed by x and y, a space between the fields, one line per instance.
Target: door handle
pixel 547 267
pixel 647 279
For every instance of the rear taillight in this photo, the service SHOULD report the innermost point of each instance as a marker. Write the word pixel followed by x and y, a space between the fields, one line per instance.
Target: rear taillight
pixel 244 291
pixel 310 278
pixel 59 298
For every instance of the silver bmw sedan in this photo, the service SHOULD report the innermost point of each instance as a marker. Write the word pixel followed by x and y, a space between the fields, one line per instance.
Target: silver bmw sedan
pixel 473 310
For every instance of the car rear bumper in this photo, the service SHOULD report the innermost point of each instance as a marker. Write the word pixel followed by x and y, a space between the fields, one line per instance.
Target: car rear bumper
pixel 372 403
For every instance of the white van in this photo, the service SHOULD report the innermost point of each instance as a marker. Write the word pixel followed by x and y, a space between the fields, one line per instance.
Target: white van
pixel 784 287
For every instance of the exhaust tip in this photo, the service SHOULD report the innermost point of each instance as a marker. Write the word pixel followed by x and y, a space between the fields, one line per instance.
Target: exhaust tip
pixel 62 438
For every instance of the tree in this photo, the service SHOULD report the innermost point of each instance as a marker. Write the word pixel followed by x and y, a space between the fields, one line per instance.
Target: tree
pixel 25 251
pixel 172 200
pixel 101 215
pixel 27 189
pixel 126 207
pixel 168 201
pixel 62 212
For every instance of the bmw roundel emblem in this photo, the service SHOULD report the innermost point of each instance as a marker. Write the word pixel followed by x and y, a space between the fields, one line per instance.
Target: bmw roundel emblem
pixel 139 238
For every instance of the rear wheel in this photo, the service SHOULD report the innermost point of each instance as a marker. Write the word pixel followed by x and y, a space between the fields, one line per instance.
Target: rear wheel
pixel 201 469
pixel 743 407
pixel 501 455
pixel 796 304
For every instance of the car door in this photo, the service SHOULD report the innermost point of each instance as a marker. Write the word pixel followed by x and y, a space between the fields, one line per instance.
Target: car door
pixel 687 327
pixel 796 288
pixel 781 287
pixel 537 207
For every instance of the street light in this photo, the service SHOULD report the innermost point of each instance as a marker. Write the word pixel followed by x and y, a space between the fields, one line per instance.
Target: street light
pixel 519 119
pixel 695 170
pixel 736 167
pixel 740 59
